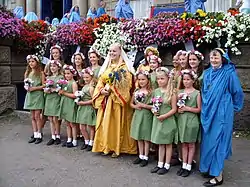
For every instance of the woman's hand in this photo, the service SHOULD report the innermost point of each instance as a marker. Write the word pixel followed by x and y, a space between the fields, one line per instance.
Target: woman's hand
pixel 60 92
pixel 105 92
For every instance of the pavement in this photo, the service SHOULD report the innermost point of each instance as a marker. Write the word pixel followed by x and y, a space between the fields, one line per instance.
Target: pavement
pixel 30 165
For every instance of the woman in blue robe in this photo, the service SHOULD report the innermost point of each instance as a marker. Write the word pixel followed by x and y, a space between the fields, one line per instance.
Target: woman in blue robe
pixel 74 14
pixel 65 19
pixel 101 9
pixel 193 5
pixel 31 16
pixel 123 10
pixel 92 13
pixel 18 12
pixel 222 95
pixel 55 22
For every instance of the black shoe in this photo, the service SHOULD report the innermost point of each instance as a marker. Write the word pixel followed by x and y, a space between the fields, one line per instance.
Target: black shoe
pixel 144 163
pixel 64 144
pixel 38 140
pixel 137 161
pixel 186 173
pixel 194 164
pixel 208 183
pixel 32 136
pixel 84 146
pixel 58 141
pixel 155 169
pixel 70 144
pixel 162 171
pixel 89 148
pixel 207 176
pixel 180 172
pixel 32 140
pixel 51 142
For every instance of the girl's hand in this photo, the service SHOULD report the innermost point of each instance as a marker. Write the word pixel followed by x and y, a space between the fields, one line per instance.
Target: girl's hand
pixel 105 92
pixel 161 118
pixel 141 105
pixel 60 92
pixel 80 103
pixel 185 108
pixel 31 89
pixel 52 90
pixel 137 107
pixel 47 91
pixel 180 110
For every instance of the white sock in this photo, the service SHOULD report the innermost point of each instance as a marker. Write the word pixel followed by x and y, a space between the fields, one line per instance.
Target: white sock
pixel 91 142
pixel 141 157
pixel 180 159
pixel 58 136
pixel 160 164
pixel 188 167
pixel 74 142
pixel 167 166
pixel 69 140
pixel 145 157
pixel 80 136
pixel 35 134
pixel 39 135
pixel 53 137
pixel 194 161
pixel 86 142
pixel 184 165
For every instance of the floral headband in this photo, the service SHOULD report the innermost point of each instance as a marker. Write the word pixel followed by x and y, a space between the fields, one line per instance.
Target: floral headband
pixel 153 49
pixel 70 68
pixel 164 69
pixel 181 52
pixel 145 72
pixel 88 71
pixel 57 62
pixel 56 47
pixel 77 53
pixel 224 54
pixel 154 58
pixel 32 56
pixel 189 72
pixel 94 51
pixel 197 53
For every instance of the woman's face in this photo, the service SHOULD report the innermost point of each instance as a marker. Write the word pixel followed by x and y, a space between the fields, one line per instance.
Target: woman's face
pixel 68 75
pixel 215 59
pixel 187 81
pixel 56 54
pixel 176 62
pixel 78 60
pixel 162 80
pixel 150 53
pixel 153 65
pixel 87 78
pixel 142 80
pixel 76 8
pixel 54 68
pixel 93 58
pixel 114 52
pixel 193 61
pixel 32 63
pixel 183 61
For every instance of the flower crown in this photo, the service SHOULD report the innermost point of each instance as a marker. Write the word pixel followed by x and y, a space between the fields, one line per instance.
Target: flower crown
pixel 88 71
pixel 181 52
pixel 144 72
pixel 77 53
pixel 57 62
pixel 56 47
pixel 154 58
pixel 153 49
pixel 189 72
pixel 94 51
pixel 32 56
pixel 197 53
pixel 164 69
pixel 70 68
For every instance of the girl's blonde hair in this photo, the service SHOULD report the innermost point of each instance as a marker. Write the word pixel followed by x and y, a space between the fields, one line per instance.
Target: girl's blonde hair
pixel 57 62
pixel 38 68
pixel 170 91
pixel 146 74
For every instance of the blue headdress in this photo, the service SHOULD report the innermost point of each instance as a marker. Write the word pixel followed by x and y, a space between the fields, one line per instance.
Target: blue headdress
pixel 55 22
pixel 65 19
pixel 123 10
pixel 31 16
pixel 18 12
pixel 91 14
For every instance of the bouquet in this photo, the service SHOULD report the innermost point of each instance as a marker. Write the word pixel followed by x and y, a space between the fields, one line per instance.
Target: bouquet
pixel 28 83
pixel 182 97
pixel 61 83
pixel 157 102
pixel 48 85
pixel 139 97
pixel 79 95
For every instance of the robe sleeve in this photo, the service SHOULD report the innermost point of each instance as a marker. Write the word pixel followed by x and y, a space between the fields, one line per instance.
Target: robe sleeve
pixel 97 96
pixel 236 91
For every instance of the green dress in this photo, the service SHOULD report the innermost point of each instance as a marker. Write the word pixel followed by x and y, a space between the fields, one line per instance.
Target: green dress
pixel 96 72
pixel 141 124
pixel 34 100
pixel 200 80
pixel 165 132
pixel 52 100
pixel 86 114
pixel 188 122
pixel 153 80
pixel 68 106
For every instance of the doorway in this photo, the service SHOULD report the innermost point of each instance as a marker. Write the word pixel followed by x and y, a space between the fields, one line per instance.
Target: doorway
pixel 57 9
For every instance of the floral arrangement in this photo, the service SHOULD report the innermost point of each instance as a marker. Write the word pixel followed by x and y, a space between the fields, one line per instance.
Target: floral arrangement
pixel 114 78
pixel 182 97
pixel 79 95
pixel 28 83
pixel 105 18
pixel 70 68
pixel 139 97
pixel 48 85
pixel 157 102
pixel 40 26
pixel 61 84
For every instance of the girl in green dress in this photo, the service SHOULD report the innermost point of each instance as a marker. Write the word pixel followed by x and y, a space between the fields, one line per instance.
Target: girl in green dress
pixel 67 105
pixel 176 72
pixel 78 63
pixel 141 124
pixel 189 107
pixel 86 114
pixel 154 62
pixel 34 100
pixel 52 100
pixel 164 128
pixel 94 59
pixel 183 59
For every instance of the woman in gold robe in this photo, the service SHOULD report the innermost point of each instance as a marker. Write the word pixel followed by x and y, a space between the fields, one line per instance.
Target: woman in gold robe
pixel 111 98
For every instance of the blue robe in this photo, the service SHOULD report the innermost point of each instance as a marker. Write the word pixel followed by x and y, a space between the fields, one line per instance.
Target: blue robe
pixel 64 20
pixel 100 11
pixel 221 96
pixel 73 10
pixel 74 17
pixel 123 10
pixel 31 16
pixel 91 14
pixel 18 12
pixel 193 5
pixel 55 22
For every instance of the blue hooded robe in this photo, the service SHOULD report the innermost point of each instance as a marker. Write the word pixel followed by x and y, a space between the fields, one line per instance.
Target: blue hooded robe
pixel 221 96
pixel 100 11
pixel 18 12
pixel 64 20
pixel 74 17
pixel 31 16
pixel 123 10
pixel 193 5
pixel 55 22
pixel 91 14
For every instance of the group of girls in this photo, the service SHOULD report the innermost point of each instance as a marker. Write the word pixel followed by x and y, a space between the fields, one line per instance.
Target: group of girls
pixel 166 103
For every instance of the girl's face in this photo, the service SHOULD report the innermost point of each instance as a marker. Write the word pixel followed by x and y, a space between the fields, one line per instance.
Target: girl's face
pixel 142 80
pixel 54 68
pixel 183 61
pixel 187 81
pixel 78 60
pixel 162 80
pixel 176 61
pixel 32 63
pixel 150 53
pixel 56 54
pixel 215 59
pixel 193 61
pixel 68 75
pixel 93 58
pixel 153 65
pixel 114 53
pixel 87 78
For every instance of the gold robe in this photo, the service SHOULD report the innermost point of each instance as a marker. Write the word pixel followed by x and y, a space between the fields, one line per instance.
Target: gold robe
pixel 114 115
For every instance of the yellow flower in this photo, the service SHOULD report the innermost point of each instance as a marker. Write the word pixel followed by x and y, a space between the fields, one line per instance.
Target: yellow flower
pixel 184 15
pixel 201 13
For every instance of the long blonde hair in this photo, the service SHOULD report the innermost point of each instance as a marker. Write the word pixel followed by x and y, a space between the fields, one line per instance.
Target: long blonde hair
pixel 38 69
